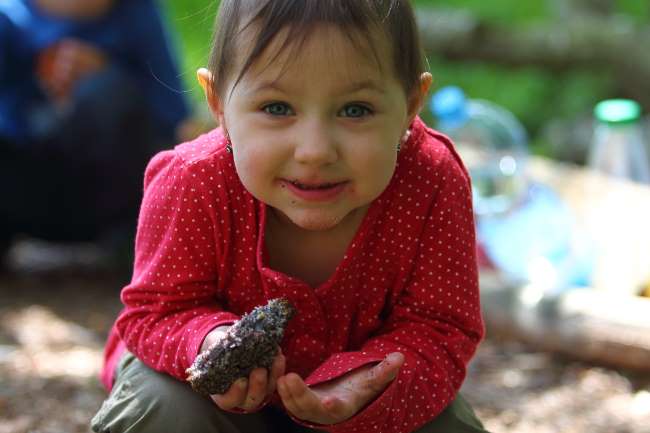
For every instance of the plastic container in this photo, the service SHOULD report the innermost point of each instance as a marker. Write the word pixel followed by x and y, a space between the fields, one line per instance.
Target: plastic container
pixel 617 147
pixel 617 151
pixel 492 143
pixel 538 244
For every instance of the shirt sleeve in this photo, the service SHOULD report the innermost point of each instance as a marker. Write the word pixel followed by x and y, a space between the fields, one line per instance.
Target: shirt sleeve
pixel 171 303
pixel 435 320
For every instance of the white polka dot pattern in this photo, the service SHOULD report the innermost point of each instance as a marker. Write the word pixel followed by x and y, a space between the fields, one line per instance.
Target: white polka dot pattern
pixel 407 283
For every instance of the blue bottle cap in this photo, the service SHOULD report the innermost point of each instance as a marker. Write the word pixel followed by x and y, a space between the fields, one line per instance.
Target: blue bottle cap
pixel 449 105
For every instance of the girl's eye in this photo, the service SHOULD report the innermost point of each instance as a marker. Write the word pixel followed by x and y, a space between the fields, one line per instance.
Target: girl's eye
pixel 278 109
pixel 355 110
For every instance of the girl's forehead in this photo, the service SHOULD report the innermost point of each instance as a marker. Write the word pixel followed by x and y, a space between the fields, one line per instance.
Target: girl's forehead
pixel 325 49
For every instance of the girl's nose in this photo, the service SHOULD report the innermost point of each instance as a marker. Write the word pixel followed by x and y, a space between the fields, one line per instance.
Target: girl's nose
pixel 316 145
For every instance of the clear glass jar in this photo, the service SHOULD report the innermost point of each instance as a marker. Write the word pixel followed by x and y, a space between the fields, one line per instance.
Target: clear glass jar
pixel 492 143
pixel 617 147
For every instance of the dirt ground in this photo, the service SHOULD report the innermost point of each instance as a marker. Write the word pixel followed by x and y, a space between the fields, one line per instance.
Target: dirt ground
pixel 52 328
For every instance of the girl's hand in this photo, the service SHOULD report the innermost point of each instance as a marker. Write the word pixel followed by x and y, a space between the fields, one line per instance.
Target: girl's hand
pixel 335 401
pixel 247 394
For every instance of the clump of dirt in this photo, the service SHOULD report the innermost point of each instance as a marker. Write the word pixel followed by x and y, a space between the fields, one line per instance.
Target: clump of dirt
pixel 251 342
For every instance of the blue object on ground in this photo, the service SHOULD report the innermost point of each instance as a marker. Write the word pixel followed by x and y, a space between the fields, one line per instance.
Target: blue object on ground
pixel 539 236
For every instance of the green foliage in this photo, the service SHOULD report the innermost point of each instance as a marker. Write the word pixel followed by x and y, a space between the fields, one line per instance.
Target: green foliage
pixel 495 11
pixel 638 9
pixel 193 21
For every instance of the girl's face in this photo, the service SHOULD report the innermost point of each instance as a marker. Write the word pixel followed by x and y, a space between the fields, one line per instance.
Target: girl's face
pixel 315 133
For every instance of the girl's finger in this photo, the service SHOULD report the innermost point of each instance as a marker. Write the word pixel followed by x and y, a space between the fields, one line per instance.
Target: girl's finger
pixel 335 407
pixel 287 398
pixel 306 399
pixel 235 396
pixel 257 385
pixel 383 373
pixel 277 370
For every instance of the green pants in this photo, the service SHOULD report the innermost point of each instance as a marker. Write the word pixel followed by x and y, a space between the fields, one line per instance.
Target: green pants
pixel 143 400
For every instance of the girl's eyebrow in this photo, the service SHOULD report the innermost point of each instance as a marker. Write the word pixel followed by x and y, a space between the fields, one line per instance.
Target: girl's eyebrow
pixel 266 86
pixel 364 85
pixel 354 87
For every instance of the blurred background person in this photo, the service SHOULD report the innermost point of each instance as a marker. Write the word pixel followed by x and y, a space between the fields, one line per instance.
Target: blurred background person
pixel 89 91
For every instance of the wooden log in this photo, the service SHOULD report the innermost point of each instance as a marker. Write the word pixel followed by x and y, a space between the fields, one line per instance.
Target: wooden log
pixel 584 324
pixel 582 7
pixel 613 45
pixel 607 324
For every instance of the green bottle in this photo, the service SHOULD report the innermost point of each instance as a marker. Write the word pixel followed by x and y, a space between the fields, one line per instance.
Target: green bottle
pixel 617 147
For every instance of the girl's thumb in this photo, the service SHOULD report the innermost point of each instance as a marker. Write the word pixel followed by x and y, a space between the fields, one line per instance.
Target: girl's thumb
pixel 386 371
pixel 393 362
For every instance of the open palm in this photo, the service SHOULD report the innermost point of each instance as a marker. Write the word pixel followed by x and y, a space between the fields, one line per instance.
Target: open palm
pixel 340 399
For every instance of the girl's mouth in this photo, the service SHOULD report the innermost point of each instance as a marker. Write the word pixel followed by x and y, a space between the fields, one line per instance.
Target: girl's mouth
pixel 315 192
pixel 312 187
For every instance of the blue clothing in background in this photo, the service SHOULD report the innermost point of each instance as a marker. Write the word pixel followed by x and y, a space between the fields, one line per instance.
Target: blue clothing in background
pixel 132 35
pixel 73 171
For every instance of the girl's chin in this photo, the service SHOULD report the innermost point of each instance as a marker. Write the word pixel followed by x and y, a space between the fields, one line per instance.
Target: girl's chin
pixel 316 222
pixel 312 221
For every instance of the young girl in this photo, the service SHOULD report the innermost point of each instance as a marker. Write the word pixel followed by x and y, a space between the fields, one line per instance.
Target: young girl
pixel 321 186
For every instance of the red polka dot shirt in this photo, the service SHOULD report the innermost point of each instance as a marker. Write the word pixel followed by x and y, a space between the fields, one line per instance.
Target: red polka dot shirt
pixel 408 281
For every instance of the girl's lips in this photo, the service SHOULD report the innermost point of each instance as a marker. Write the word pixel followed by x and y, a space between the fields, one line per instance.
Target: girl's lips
pixel 315 194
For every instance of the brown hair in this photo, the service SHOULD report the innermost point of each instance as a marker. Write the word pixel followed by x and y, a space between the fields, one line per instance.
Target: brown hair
pixel 394 18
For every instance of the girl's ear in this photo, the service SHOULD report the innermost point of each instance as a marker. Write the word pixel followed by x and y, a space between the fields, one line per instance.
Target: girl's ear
pixel 418 95
pixel 204 76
